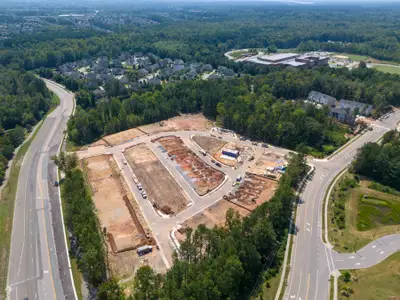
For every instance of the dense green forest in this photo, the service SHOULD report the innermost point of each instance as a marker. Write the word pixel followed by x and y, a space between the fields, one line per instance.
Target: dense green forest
pixel 254 106
pixel 87 244
pixel 381 162
pixel 225 262
pixel 24 99
pixel 207 35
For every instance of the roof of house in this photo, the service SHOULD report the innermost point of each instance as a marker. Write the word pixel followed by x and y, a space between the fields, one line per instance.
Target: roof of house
pixel 321 98
pixel 354 104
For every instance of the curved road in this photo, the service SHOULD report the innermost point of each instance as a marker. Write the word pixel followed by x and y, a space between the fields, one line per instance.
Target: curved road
pixel 38 265
pixel 313 261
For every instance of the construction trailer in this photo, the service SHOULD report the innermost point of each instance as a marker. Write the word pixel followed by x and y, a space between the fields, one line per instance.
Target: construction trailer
pixel 230 152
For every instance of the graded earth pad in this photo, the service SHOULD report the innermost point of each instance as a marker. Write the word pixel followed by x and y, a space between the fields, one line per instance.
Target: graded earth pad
pixel 215 215
pixel 162 189
pixel 100 142
pixel 209 144
pixel 118 214
pixel 195 122
pixel 123 136
pixel 109 198
pixel 253 191
pixel 227 160
pixel 268 163
pixel 202 177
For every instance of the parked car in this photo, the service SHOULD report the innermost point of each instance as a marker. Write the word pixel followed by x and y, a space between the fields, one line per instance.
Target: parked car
pixel 218 164
pixel 56 183
pixel 213 161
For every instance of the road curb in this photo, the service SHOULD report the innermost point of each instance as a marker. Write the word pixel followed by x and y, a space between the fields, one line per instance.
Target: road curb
pixel 61 209
pixel 326 204
pixel 289 240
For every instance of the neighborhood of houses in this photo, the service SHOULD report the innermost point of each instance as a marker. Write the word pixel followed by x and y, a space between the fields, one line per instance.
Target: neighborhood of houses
pixel 138 69
pixel 134 70
pixel 345 111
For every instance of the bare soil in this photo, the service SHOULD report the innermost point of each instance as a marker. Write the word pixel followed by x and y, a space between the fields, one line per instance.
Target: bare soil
pixel 100 142
pixel 123 136
pixel 220 157
pixel 254 191
pixel 266 160
pixel 119 214
pixel 202 177
pixel 108 196
pixel 162 189
pixel 209 144
pixel 186 122
pixel 215 215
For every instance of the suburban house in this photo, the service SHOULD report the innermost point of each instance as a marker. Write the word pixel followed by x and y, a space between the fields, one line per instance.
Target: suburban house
pixel 321 98
pixel 356 107
pixel 343 115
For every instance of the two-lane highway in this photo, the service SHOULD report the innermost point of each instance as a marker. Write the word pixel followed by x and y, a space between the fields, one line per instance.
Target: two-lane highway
pixel 313 261
pixel 35 270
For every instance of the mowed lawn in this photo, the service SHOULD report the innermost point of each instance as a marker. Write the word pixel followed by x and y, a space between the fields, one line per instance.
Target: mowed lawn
pixel 355 57
pixel 380 282
pixel 369 214
pixel 388 69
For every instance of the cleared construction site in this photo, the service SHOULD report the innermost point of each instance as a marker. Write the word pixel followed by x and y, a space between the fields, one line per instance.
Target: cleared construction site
pixel 228 153
pixel 163 191
pixel 120 219
pixel 202 177
pixel 252 191
pixel 214 215
pixel 209 144
pixel 185 122
pixel 270 165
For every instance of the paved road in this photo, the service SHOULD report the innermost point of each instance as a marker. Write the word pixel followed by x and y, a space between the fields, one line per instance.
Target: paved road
pixel 35 269
pixel 160 226
pixel 312 261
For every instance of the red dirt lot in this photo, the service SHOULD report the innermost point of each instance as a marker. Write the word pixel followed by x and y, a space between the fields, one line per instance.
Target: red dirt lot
pixel 123 136
pixel 162 189
pixel 186 122
pixel 253 191
pixel 266 161
pixel 215 215
pixel 202 177
pixel 117 212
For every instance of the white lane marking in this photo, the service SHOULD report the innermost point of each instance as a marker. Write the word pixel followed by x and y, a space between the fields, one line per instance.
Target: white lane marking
pixel 45 271
pixel 382 252
pixel 351 257
pixel 308 229
pixel 374 246
pixel 340 260
pixel 327 258
pixel 292 297
pixel 357 264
